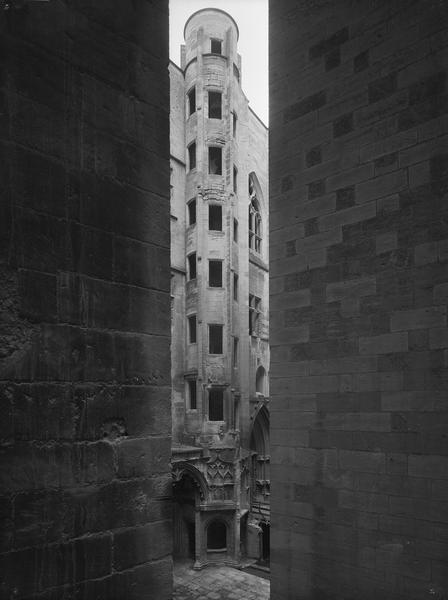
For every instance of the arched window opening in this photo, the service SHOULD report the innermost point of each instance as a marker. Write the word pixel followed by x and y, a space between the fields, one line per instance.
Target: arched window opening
pixel 259 444
pixel 217 536
pixel 260 381
pixel 259 439
pixel 255 230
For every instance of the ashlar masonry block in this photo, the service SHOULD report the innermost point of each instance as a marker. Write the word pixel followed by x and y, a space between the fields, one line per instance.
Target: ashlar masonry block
pixel 383 344
pixel 422 318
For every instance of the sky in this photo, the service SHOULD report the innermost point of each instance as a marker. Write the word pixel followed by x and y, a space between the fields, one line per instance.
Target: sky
pixel 251 17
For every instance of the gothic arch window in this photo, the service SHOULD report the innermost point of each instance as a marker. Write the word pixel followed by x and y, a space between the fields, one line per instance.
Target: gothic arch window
pixel 259 439
pixel 260 381
pixel 255 225
pixel 217 535
pixel 259 444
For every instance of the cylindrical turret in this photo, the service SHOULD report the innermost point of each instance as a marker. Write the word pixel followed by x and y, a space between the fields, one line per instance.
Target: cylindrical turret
pixel 208 27
pixel 212 92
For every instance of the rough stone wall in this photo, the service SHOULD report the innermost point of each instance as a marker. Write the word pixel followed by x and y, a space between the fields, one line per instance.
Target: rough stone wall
pixel 359 292
pixel 84 297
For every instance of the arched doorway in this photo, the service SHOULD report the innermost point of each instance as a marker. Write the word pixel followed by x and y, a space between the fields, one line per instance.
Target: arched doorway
pixel 184 503
pixel 188 491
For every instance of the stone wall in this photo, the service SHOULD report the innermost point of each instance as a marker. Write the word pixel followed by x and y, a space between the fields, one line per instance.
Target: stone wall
pixel 84 264
pixel 359 293
pixel 178 228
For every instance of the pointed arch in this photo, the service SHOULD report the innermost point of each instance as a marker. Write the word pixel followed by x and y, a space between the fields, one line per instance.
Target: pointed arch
pixel 255 214
pixel 260 381
pixel 259 445
pixel 259 438
pixel 183 469
pixel 255 190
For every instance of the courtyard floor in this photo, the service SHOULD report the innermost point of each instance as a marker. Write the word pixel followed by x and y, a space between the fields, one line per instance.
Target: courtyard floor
pixel 217 583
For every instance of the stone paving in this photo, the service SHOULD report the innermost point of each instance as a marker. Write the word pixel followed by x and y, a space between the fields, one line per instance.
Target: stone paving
pixel 217 583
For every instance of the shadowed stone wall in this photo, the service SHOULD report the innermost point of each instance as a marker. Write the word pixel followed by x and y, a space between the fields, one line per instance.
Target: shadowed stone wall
pixel 84 297
pixel 359 293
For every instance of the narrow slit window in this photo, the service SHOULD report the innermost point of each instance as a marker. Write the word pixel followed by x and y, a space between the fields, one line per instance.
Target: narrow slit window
pixel 235 352
pixel 215 46
pixel 192 394
pixel 192 212
pixel 214 105
pixel 234 122
pixel 192 156
pixel 215 273
pixel 215 217
pixel 235 286
pixel 191 101
pixel 215 339
pixel 192 266
pixel 192 329
pixel 235 179
pixel 235 230
pixel 216 405
pixel 215 160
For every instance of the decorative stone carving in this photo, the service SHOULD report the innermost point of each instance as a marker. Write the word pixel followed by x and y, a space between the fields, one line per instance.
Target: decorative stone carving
pixel 219 470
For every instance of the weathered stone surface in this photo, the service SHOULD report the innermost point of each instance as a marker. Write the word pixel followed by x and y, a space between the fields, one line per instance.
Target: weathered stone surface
pixel 360 342
pixel 84 331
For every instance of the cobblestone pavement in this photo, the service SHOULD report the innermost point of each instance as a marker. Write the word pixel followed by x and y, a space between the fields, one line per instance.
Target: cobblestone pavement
pixel 217 583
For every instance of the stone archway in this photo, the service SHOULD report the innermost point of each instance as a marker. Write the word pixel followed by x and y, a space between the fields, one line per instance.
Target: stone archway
pixel 188 491
pixel 185 497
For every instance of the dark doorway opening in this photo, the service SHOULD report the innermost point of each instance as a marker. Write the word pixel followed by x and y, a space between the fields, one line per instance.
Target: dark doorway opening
pixel 265 542
pixel 217 536
pixel 243 535
pixel 191 532
pixel 184 517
